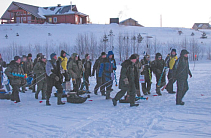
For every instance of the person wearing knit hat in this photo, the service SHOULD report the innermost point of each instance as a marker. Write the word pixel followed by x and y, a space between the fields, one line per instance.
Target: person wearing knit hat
pixel 127 81
pixel 63 62
pixel 87 64
pixel 158 69
pixel 54 78
pixel 13 68
pixel 96 68
pixel 170 61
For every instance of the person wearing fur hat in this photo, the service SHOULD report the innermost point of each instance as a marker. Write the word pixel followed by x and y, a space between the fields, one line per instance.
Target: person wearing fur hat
pixel 54 78
pixel 75 70
pixel 181 72
pixel 40 69
pixel 14 67
pixel 157 67
pixel 170 61
pixel 127 81
pixel 96 68
pixel 87 64
pixel 147 72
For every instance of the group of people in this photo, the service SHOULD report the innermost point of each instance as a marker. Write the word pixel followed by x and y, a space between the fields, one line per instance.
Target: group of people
pixel 59 71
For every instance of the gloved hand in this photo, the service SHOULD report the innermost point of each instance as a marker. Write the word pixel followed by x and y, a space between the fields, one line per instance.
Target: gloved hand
pixel 126 81
pixel 57 78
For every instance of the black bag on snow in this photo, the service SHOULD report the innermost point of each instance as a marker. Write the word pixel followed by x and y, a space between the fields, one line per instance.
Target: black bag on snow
pixel 72 97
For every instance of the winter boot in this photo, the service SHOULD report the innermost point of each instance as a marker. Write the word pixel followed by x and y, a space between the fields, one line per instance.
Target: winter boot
pixel 36 96
pixel 114 101
pixel 108 94
pixel 59 99
pixel 47 103
pixel 158 91
pixel 132 101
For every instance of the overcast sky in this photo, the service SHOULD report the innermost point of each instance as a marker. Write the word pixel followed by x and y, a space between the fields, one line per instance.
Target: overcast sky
pixel 175 13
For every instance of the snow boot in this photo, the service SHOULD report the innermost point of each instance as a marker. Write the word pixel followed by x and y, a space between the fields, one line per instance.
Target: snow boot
pixel 114 101
pixel 134 105
pixel 47 103
pixel 108 94
pixel 59 99
pixel 132 101
pixel 36 96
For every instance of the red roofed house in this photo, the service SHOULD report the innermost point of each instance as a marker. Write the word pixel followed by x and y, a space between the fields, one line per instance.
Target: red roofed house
pixel 24 13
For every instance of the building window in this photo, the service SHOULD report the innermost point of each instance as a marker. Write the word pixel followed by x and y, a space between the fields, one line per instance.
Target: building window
pixel 55 19
pixel 50 20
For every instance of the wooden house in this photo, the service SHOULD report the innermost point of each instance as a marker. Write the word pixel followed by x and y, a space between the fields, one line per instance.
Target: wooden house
pixel 24 13
pixel 130 22
pixel 197 26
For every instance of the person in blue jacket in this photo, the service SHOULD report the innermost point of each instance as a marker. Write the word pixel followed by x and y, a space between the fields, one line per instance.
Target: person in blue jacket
pixel 111 59
pixel 106 68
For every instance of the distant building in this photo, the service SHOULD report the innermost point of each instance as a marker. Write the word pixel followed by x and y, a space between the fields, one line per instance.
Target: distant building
pixel 24 13
pixel 130 22
pixel 201 26
pixel 114 20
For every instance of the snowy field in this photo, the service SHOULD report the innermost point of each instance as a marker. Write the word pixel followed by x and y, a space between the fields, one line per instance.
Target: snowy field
pixel 157 117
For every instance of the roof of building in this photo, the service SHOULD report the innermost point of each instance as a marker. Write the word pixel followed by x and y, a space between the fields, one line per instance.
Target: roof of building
pixel 41 12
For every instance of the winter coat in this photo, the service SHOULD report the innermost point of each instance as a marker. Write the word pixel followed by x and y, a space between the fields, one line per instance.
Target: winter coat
pixel 96 66
pixel 24 66
pixel 14 67
pixel 40 70
pixel 181 68
pixel 170 61
pixel 106 68
pixel 147 71
pixel 29 66
pixel 2 64
pixel 75 67
pixel 63 62
pixel 128 72
pixel 53 69
pixel 157 68
pixel 87 64
pixel 112 60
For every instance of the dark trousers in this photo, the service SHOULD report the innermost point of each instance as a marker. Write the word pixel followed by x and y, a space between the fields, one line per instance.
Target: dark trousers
pixel 15 93
pixel 146 86
pixel 50 83
pixel 182 88
pixel 66 76
pixel 106 84
pixel 85 82
pixel 122 92
pixel 1 79
pixel 97 86
pixel 76 84
pixel 169 86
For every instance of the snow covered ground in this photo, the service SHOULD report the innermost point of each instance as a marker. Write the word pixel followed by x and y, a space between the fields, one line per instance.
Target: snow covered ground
pixel 157 117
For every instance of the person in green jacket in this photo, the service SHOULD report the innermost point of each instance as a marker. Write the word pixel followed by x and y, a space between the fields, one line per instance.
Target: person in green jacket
pixel 40 71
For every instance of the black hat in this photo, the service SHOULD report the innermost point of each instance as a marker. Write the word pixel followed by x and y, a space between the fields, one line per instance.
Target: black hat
pixel 158 55
pixel 39 55
pixel 173 50
pixel 133 56
pixel 86 55
pixel 183 52
pixel 103 53
pixel 29 55
pixel 16 58
pixel 62 52
pixel 24 56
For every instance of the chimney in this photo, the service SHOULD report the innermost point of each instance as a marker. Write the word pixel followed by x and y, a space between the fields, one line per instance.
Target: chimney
pixel 59 5
pixel 71 5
